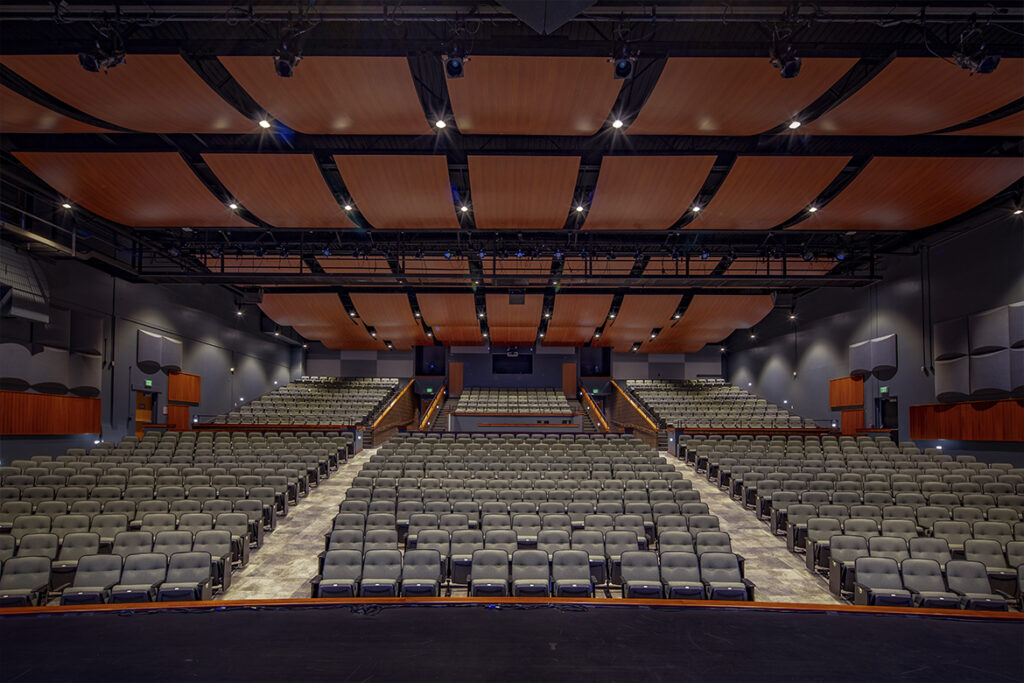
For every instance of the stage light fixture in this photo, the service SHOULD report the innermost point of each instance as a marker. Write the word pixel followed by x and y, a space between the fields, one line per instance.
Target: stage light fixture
pixel 464 209
pixel 841 255
pixel 624 62
pixel 617 123
pixel 812 209
pixel 704 255
pixel 793 125
pixel 440 124
pixel 1016 212
pixel 808 255
pixel 233 206
pixel 66 205
pixel 106 52
pixel 972 53
pixel 348 207
pixel 264 123
pixel 326 251
pixel 784 58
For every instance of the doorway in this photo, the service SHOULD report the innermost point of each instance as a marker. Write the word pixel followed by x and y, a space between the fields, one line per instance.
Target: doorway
pixel 887 412
pixel 143 411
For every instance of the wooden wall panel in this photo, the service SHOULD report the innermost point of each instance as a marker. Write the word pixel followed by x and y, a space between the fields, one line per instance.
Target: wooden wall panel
pixel 645 193
pixel 151 189
pixel 906 193
pixel 455 379
pixel 27 414
pixel 285 190
pixel 569 377
pixel 506 95
pixel 846 392
pixel 731 95
pixel 522 192
pixel 912 95
pixel 851 420
pixel 969 421
pixel 19 114
pixel 395 191
pixel 151 93
pixel 184 388
pixel 336 95
pixel 178 418
pixel 761 192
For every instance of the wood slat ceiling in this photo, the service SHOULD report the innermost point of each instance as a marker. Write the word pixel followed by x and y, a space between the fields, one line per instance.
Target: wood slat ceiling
pixel 154 189
pixel 319 317
pixel 407 192
pixel 336 95
pixel 529 270
pixel 761 192
pixel 575 317
pixel 766 266
pixel 350 265
pixel 919 95
pixel 151 93
pixel 671 267
pixel 391 316
pixel 452 317
pixel 710 318
pixel 645 193
pixel 533 95
pixel 19 114
pixel 638 315
pixel 522 192
pixel 440 271
pixel 906 193
pixel 731 95
pixel 1008 125
pixel 285 190
pixel 513 323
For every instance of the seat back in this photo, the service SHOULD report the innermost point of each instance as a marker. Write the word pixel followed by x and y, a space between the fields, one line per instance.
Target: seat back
pixel 640 565
pixel 343 565
pixel 382 565
pixel 171 542
pixel 529 564
pixel 38 545
pixel 963 576
pixel 79 544
pixel 144 569
pixel 491 565
pixel 888 546
pixel 21 573
pixel 878 573
pixel 930 549
pixel 680 566
pixel 984 550
pixel 922 575
pixel 189 567
pixel 712 541
pixel 215 542
pixel 720 568
pixel 97 570
pixel 422 564
pixel 570 565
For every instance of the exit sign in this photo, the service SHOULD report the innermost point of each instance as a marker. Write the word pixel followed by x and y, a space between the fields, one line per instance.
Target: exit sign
pixel 883 390
pixel 149 383
pixel 430 390
pixel 595 391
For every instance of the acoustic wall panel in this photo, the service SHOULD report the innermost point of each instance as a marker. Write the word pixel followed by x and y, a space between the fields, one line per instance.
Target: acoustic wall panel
pixel 15 360
pixel 15 331
pixel 170 355
pixel 148 352
pixel 48 372
pixel 990 330
pixel 950 339
pixel 56 333
pixel 1016 313
pixel 85 374
pixel 860 359
pixel 86 333
pixel 884 360
pixel 1017 371
pixel 990 373
pixel 952 379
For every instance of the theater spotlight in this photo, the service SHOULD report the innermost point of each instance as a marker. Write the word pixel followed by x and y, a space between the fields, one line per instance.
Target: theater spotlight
pixel 106 53
pixel 972 54
pixel 625 62
pixel 808 255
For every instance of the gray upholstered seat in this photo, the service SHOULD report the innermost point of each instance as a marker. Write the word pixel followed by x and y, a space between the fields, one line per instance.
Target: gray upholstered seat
pixel 923 578
pixel 489 573
pixel 24 581
pixel 422 572
pixel 530 574
pixel 969 580
pixel 140 578
pixel 570 573
pixel 96 575
pixel 340 577
pixel 720 573
pixel 680 574
pixel 878 583
pixel 382 570
pixel 640 575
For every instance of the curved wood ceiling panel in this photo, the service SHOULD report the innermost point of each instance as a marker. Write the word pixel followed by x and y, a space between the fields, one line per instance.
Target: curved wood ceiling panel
pixel 921 94
pixel 319 317
pixel 638 315
pixel 531 270
pixel 1008 125
pixel 513 323
pixel 250 263
pixel 151 93
pixel 645 193
pixel 336 95
pixel 671 267
pixel 350 265
pixel 764 267
pixel 575 317
pixel 522 192
pixel 906 193
pixel 391 316
pixel 149 189
pixel 19 114
pixel 731 95
pixel 710 318
pixel 452 317
pixel 599 265
pixel 285 190
pixel 408 192
pixel 761 192
pixel 437 269
pixel 502 95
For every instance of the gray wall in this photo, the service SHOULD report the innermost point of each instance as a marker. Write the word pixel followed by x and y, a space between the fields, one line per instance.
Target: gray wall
pixel 978 269
pixel 327 363
pixel 547 367
pixel 705 363
pixel 204 318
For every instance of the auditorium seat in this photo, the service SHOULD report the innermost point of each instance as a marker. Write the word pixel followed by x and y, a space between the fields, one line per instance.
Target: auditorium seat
pixel 24 582
pixel 720 574
pixel 218 545
pixel 878 583
pixel 95 576
pixel 141 576
pixel 570 573
pixel 923 578
pixel 341 574
pixel 530 574
pixel 680 574
pixel 969 580
pixel 641 577
pixel 489 573
pixel 422 573
pixel 382 571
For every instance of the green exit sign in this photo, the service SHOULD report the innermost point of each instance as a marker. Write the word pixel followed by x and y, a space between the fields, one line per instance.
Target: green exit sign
pixel 430 390
pixel 883 390
pixel 595 391
pixel 149 383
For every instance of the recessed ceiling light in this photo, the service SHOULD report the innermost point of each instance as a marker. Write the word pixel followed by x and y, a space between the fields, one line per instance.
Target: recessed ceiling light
pixel 617 123
pixel 722 349
pixel 480 315
pixel 417 314
pixel 542 334
pixel 611 315
pixel 597 335
pixel 793 125
pixel 813 209
pixel 1016 212
pixel 440 123
pixel 579 208
pixel 348 207
pixel 65 205
pixel 352 314
pixel 696 209
pixel 464 208
pixel 233 206
pixel 264 123
pixel 753 336
pixel 676 317
pixel 547 315
pixel 485 334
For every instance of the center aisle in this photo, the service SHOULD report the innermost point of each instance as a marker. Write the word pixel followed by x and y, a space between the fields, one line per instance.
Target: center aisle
pixel 284 565
pixel 780 575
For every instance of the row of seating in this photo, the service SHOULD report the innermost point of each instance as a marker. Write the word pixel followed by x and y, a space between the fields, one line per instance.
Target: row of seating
pixel 920 583
pixel 705 403
pixel 337 401
pixel 495 400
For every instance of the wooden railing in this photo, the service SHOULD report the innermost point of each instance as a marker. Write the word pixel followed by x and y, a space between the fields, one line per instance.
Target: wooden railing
pixel 626 413
pixel 595 411
pixel 432 409
pixel 400 412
